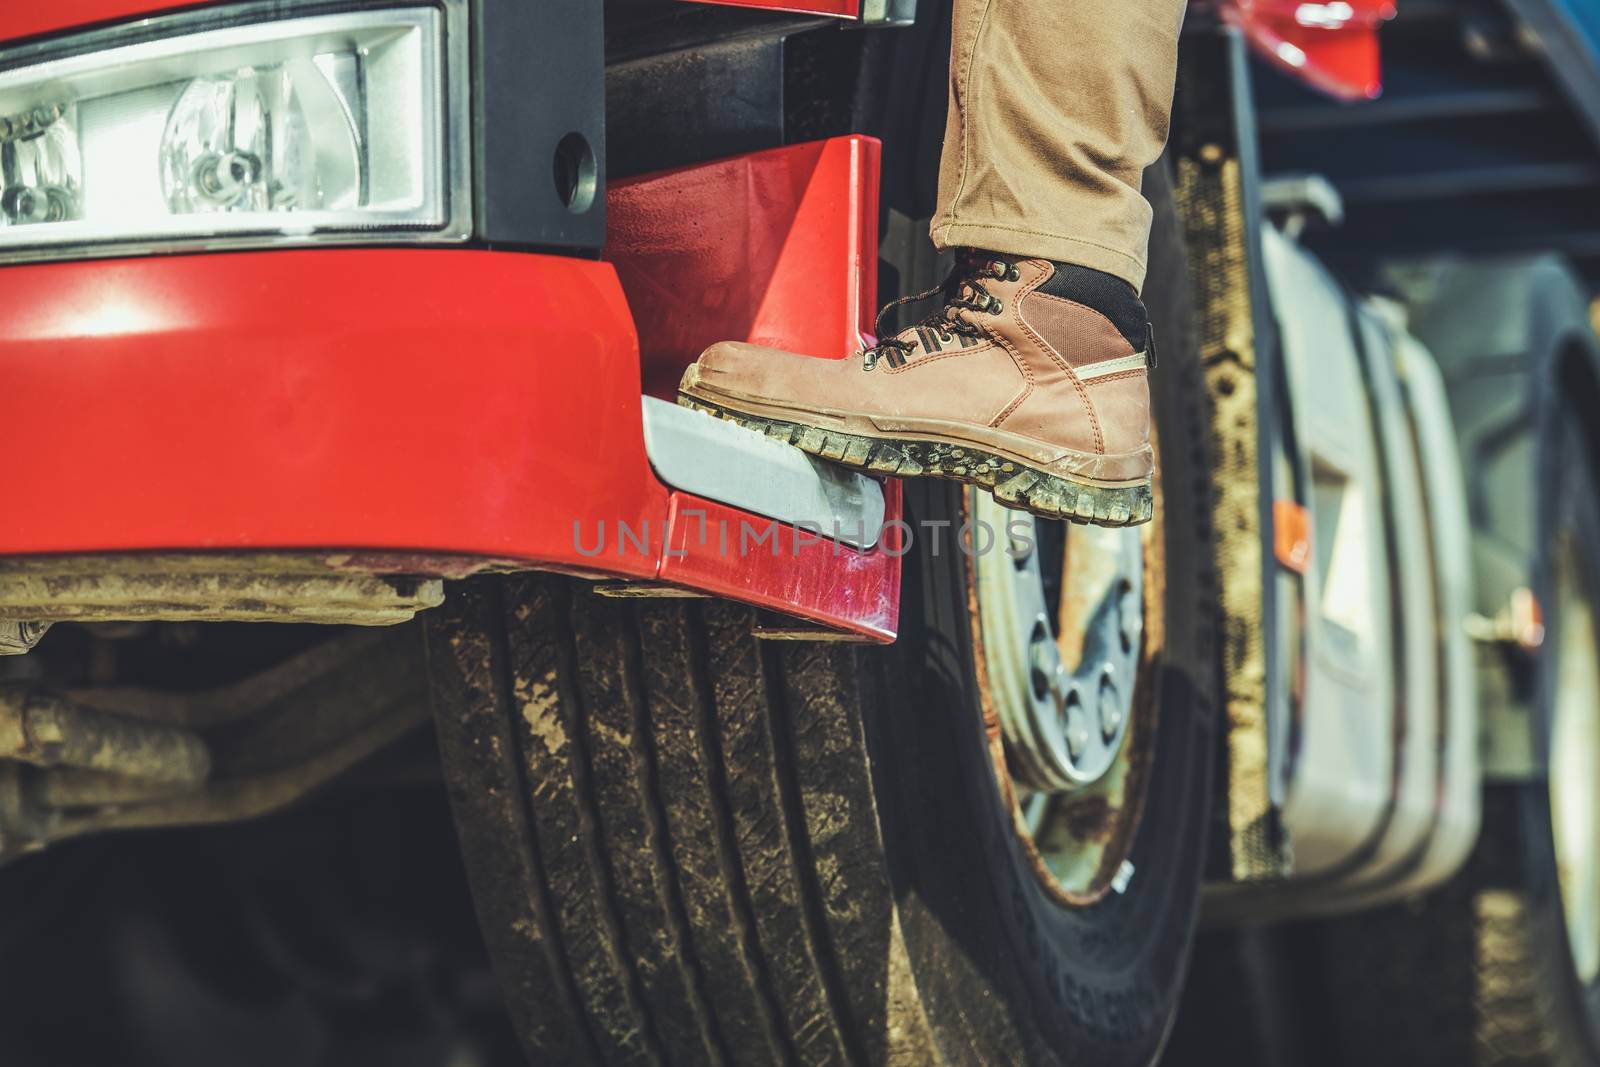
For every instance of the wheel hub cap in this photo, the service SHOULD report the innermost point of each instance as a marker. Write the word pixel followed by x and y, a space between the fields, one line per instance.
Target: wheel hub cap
pixel 1062 683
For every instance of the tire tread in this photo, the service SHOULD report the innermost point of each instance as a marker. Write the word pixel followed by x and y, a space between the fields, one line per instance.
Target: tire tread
pixel 696 874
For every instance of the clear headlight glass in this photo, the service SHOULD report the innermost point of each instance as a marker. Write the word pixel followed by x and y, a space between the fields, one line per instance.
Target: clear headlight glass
pixel 295 128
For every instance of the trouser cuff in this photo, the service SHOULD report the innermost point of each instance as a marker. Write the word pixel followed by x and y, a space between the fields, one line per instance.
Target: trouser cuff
pixel 1054 247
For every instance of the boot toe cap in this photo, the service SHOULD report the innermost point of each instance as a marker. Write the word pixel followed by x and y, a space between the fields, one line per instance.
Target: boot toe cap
pixel 739 369
pixel 729 360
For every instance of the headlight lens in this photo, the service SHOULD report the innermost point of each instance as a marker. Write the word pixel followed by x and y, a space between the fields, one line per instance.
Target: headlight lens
pixel 240 142
pixel 328 124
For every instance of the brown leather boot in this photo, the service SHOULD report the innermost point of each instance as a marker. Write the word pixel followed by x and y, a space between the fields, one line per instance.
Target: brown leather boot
pixel 1011 387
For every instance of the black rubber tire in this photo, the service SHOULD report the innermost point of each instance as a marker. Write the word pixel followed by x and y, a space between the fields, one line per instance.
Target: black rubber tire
pixel 1480 974
pixel 671 830
pixel 1030 980
pixel 689 846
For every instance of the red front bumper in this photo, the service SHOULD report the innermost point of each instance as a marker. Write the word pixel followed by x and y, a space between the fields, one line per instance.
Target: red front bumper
pixel 411 401
pixel 446 409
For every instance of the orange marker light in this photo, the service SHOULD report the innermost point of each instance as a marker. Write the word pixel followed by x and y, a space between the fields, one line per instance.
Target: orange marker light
pixel 1291 534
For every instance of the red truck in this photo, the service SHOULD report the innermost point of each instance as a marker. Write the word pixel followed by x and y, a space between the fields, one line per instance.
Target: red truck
pixel 339 341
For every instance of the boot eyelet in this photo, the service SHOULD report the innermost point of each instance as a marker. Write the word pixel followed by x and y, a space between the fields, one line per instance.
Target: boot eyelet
pixel 1013 274
pixel 995 306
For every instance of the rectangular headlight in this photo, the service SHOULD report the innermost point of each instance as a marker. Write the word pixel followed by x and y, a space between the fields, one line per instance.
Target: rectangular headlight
pixel 287 129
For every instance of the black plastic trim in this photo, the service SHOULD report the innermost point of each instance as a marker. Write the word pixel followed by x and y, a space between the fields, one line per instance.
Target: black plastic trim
pixel 538 76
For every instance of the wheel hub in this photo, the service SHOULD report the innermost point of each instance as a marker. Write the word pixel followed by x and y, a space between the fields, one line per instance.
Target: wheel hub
pixel 1062 680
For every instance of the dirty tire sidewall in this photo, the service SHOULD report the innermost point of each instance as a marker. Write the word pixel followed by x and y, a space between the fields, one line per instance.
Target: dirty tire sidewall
pixel 1556 1011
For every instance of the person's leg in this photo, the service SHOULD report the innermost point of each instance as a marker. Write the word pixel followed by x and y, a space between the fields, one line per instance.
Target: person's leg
pixel 1056 109
pixel 1032 378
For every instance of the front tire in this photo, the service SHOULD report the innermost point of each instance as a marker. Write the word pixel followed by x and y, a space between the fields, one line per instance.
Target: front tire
pixel 670 829
pixel 689 845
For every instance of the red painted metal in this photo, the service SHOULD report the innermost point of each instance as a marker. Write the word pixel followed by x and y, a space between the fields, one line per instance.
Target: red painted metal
pixel 405 400
pixel 775 247
pixel 430 404
pixel 744 557
pixel 23 19
pixel 779 248
pixel 1331 45
pixel 841 8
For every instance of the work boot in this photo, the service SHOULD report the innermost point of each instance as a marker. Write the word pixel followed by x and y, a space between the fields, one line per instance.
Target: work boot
pixel 1031 380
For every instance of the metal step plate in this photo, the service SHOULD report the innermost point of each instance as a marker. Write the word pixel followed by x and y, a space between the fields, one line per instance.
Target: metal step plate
pixel 715 459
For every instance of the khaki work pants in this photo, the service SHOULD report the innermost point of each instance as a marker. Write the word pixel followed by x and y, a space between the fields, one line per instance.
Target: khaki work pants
pixel 1056 109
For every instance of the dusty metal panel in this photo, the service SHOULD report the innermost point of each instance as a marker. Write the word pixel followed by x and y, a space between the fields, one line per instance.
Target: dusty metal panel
pixel 1217 179
pixel 223 587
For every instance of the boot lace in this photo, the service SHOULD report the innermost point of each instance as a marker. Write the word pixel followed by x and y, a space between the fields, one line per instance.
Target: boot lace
pixel 963 291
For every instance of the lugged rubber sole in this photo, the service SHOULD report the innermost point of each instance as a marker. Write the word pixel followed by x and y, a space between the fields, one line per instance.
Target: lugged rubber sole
pixel 1014 483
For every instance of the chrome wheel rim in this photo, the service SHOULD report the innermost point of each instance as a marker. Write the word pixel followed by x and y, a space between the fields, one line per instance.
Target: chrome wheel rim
pixel 1575 763
pixel 1064 681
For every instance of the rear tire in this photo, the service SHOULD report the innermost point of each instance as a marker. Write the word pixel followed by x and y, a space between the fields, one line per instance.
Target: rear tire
pixel 1483 973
